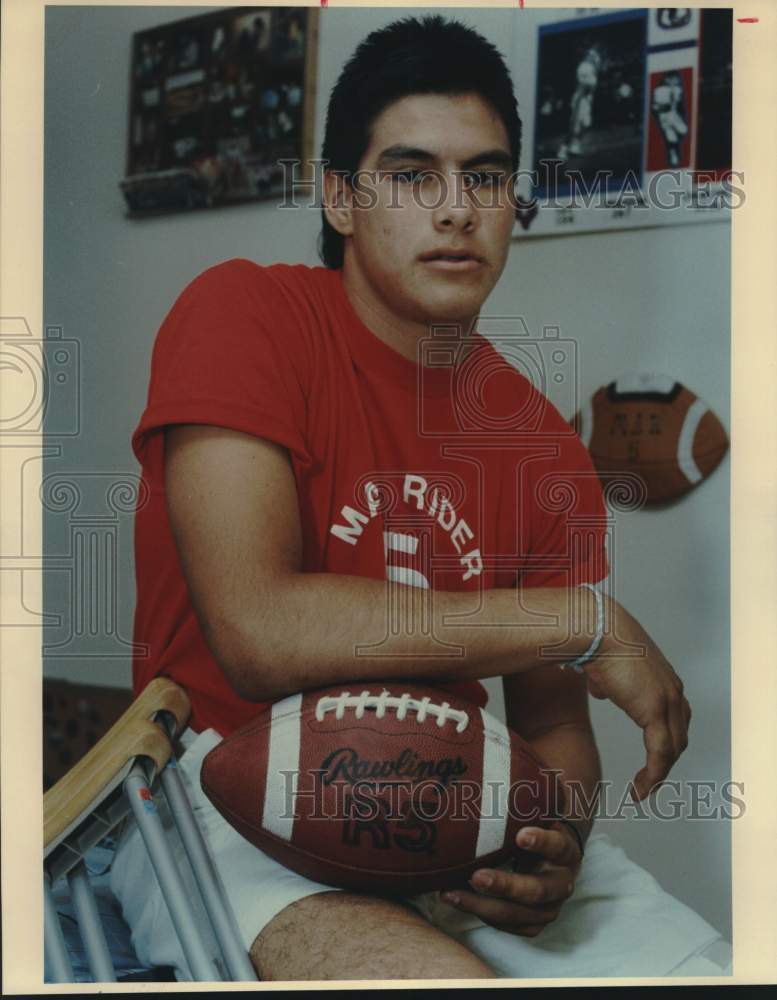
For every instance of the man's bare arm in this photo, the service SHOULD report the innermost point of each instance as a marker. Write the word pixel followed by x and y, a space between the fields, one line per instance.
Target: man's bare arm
pixel 549 709
pixel 275 630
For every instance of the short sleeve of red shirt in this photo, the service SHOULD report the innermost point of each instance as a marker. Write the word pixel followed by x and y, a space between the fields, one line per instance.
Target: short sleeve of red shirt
pixel 568 544
pixel 233 352
pixel 218 361
pixel 553 520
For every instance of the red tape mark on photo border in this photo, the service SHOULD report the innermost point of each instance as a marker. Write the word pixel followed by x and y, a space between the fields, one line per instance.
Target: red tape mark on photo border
pixel 747 20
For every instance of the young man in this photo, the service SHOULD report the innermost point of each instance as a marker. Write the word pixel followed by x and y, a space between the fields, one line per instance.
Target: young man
pixel 313 471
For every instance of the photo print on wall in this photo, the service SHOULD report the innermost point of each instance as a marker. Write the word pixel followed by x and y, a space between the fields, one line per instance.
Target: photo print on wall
pixel 216 102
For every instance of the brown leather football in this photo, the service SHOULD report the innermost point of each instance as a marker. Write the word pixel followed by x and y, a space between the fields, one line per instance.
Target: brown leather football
pixel 384 787
pixel 655 428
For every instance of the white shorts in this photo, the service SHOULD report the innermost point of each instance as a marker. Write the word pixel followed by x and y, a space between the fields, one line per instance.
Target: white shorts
pixel 619 922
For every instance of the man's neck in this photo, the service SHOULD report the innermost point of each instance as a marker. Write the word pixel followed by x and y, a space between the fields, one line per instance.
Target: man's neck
pixel 402 336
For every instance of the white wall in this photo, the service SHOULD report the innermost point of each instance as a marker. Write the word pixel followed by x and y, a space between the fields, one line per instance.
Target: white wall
pixel 652 299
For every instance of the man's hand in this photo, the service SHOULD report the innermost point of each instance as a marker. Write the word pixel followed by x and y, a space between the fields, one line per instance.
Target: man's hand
pixel 526 902
pixel 635 675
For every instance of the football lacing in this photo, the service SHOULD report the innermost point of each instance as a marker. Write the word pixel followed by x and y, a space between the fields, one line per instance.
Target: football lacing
pixel 403 704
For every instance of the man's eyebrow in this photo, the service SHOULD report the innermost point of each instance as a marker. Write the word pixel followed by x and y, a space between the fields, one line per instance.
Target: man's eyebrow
pixel 393 154
pixel 398 153
pixel 490 157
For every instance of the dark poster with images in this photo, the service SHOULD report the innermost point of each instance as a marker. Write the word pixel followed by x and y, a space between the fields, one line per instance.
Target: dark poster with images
pixel 713 141
pixel 216 101
pixel 590 92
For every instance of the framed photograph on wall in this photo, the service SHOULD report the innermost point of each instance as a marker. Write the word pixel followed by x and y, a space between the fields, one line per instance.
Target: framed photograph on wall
pixel 215 102
pixel 627 118
pixel 588 115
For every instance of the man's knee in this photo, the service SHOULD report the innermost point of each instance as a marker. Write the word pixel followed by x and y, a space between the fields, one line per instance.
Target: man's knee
pixel 338 935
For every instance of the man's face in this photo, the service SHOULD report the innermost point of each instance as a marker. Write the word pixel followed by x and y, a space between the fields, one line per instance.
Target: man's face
pixel 431 238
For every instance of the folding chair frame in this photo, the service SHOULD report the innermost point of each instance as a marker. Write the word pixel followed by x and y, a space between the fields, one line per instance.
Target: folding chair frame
pixel 115 779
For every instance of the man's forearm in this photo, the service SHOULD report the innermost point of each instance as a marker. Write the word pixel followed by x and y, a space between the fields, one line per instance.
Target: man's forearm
pixel 312 629
pixel 571 749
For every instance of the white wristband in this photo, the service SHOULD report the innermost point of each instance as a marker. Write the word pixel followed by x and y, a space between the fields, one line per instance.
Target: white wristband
pixel 578 663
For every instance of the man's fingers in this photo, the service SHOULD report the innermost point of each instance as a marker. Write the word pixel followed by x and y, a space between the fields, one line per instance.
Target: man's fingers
pixel 553 845
pixel 653 696
pixel 678 724
pixel 595 689
pixel 501 913
pixel 665 739
pixel 527 890
pixel 660 757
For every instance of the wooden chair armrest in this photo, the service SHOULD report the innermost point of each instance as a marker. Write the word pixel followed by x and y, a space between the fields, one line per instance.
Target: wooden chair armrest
pixel 99 772
pixel 105 766
pixel 161 695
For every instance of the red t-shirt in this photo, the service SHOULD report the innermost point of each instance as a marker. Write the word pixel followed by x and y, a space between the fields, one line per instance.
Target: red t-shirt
pixel 454 475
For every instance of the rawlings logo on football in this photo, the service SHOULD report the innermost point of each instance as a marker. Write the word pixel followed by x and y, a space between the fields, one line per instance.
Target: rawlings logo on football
pixel 345 764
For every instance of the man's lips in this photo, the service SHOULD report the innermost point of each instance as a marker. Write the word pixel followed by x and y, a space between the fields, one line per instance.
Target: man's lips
pixel 451 260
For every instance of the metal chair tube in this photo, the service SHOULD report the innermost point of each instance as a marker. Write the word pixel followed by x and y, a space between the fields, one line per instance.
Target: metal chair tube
pixel 201 966
pixel 90 925
pixel 218 909
pixel 58 968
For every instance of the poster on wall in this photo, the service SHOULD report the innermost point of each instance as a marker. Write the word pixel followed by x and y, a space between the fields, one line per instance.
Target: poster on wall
pixel 627 118
pixel 590 94
pixel 216 101
pixel 716 95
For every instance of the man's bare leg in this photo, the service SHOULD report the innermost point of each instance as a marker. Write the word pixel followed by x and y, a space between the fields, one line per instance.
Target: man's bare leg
pixel 338 935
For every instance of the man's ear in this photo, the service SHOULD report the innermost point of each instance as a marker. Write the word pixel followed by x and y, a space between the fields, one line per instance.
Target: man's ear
pixel 338 202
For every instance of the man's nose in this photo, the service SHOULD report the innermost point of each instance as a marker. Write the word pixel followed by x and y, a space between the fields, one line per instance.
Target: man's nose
pixel 453 208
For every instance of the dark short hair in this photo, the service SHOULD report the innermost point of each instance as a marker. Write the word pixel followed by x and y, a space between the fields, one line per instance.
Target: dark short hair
pixel 410 56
